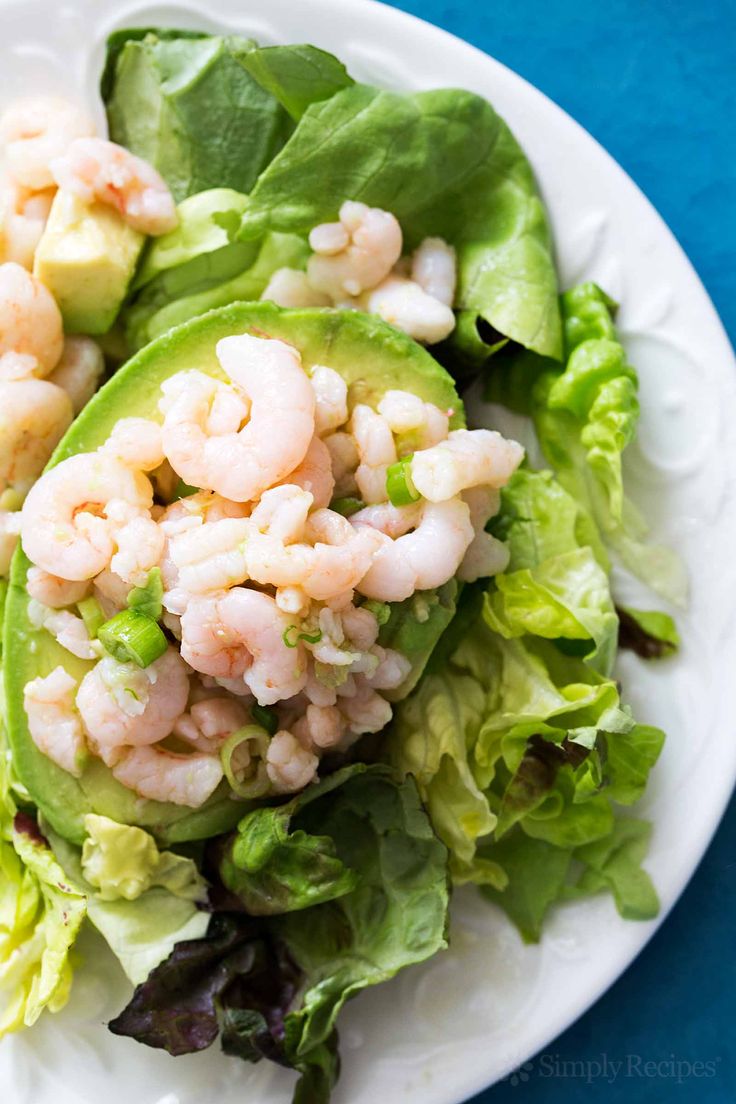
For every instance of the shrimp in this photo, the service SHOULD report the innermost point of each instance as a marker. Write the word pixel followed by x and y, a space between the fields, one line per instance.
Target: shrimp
pixel 52 591
pixel 155 773
pixel 360 626
pixel 241 465
pixel 314 474
pixel 290 767
pixel 124 705
pixel 434 268
pixel 137 443
pixel 9 533
pixel 468 458
pixel 377 452
pixel 80 370
pixel 393 668
pixel 36 131
pixel 210 557
pixel 209 723
pixel 344 455
pixel 355 254
pixel 241 634
pixel 331 395
pixel 34 415
pixel 54 724
pixel 419 424
pixel 321 726
pixel 67 629
pixel 140 546
pixel 111 592
pixel 339 560
pixel 190 515
pixel 365 710
pixel 486 555
pixel 424 558
pixel 406 305
pixel 98 170
pixel 68 522
pixel 30 321
pixel 23 216
pixel 289 287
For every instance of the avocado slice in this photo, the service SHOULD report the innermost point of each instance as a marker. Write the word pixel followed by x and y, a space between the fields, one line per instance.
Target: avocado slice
pixel 370 355
pixel 86 258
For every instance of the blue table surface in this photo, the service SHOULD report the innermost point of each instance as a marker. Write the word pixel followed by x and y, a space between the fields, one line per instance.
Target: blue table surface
pixel 655 82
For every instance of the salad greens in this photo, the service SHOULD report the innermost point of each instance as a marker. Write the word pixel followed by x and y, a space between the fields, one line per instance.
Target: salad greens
pixel 512 752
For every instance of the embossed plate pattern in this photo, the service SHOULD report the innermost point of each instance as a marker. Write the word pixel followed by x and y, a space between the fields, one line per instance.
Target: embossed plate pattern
pixel 443 1031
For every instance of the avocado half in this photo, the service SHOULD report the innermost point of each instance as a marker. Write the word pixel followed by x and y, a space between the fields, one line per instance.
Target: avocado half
pixel 370 355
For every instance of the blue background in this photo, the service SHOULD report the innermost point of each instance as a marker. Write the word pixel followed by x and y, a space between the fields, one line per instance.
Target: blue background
pixel 655 82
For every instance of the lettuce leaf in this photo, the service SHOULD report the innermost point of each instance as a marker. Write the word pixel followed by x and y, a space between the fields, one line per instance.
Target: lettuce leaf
pixel 297 76
pixel 41 912
pixel 187 103
pixel 122 862
pixel 652 634
pixel 445 164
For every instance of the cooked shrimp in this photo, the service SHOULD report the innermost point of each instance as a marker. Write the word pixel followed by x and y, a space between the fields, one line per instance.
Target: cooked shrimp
pixel 344 454
pixel 434 268
pixel 35 131
pixel 209 722
pixel 23 215
pixel 354 254
pixel 98 170
pixel 122 704
pixel 209 557
pixel 290 767
pixel 54 723
pixel 364 710
pixel 111 592
pixel 468 458
pixel 331 395
pixel 376 449
pixel 189 515
pixel 9 533
pixel 393 667
pixel 67 521
pixel 321 726
pixel 360 626
pixel 424 558
pixel 293 600
pixel 80 370
pixel 419 424
pixel 314 474
pixel 407 306
pixel 339 561
pixel 289 287
pixel 137 443
pixel 30 321
pixel 34 414
pixel 67 629
pixel 241 635
pixel 18 366
pixel 394 521
pixel 486 555
pixel 140 546
pixel 161 775
pixel 52 591
pixel 241 465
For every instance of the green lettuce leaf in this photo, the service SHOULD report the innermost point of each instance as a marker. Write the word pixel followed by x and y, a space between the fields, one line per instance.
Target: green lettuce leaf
pixel 297 76
pixel 614 864
pixel 41 912
pixel 445 164
pixel 187 103
pixel 414 628
pixel 652 634
pixel 273 865
pixel 121 861
pixel 537 874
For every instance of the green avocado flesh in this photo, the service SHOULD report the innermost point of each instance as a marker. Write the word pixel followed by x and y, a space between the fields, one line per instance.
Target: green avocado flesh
pixel 370 355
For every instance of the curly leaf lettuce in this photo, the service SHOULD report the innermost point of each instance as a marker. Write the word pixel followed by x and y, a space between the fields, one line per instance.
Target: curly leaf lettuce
pixel 41 912
pixel 444 163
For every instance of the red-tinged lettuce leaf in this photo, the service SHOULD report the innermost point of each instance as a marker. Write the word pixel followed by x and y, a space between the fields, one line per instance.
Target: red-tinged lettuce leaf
pixel 650 633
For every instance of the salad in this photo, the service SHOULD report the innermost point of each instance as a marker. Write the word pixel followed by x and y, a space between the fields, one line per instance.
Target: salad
pixel 291 647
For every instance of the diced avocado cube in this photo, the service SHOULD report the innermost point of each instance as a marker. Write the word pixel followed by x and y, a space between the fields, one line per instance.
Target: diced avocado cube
pixel 86 258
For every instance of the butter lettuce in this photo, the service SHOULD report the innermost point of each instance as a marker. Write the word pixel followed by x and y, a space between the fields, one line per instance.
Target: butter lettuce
pixel 445 164
pixel 652 634
pixel 122 862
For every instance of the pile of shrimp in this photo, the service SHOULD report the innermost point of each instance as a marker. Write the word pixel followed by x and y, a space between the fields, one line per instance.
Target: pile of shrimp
pixel 357 263
pixel 47 377
pixel 272 598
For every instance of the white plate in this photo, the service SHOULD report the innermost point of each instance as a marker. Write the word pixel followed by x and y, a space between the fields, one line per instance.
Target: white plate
pixel 444 1031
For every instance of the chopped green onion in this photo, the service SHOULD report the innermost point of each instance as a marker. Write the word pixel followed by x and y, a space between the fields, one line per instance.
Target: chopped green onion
pixel 380 610
pixel 347 506
pixel 147 599
pixel 252 784
pixel 399 485
pixel 92 614
pixel 265 717
pixel 313 638
pixel 183 490
pixel 131 637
